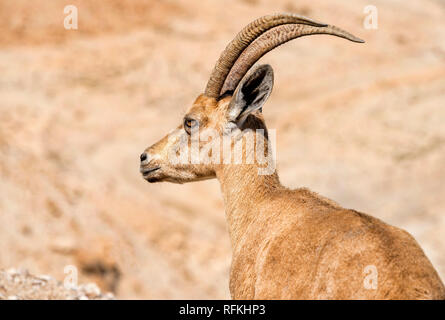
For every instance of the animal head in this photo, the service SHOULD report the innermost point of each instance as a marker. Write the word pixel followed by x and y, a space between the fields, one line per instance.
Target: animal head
pixel 230 108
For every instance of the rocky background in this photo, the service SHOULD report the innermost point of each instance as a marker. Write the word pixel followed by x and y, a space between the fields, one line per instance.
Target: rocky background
pixel 21 285
pixel 361 124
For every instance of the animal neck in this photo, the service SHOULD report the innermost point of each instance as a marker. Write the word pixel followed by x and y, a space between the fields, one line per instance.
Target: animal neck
pixel 245 187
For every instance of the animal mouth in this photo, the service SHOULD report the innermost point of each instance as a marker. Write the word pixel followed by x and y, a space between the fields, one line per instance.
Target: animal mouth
pixel 147 172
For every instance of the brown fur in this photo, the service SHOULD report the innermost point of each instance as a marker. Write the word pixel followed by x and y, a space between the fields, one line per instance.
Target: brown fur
pixel 295 244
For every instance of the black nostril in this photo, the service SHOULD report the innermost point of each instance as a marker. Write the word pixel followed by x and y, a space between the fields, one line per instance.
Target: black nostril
pixel 143 156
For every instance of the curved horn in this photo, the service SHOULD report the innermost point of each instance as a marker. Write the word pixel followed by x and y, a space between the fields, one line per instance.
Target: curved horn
pixel 272 39
pixel 242 41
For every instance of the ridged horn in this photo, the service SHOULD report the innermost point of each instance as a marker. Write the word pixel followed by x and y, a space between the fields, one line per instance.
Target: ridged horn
pixel 272 39
pixel 242 40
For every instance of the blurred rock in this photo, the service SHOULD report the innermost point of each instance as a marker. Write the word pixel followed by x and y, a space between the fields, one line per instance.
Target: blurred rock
pixel 24 286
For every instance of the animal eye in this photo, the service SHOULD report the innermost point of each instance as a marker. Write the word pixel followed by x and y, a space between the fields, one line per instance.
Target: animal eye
pixel 189 124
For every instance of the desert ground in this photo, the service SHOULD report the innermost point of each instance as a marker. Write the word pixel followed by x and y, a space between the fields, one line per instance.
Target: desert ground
pixel 362 124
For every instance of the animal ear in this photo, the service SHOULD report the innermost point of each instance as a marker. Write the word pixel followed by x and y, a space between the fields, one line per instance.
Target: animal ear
pixel 251 93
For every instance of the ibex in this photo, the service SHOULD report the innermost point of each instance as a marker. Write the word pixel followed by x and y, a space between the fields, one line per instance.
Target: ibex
pixel 286 244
